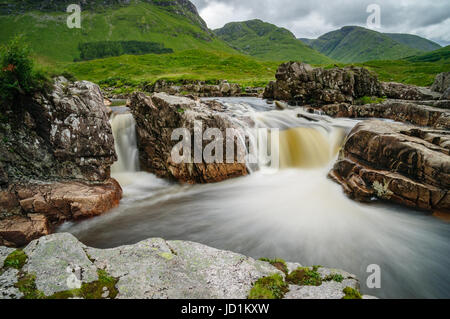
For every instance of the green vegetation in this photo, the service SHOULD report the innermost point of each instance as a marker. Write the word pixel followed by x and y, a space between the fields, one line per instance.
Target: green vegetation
pixel 351 293
pixel 334 277
pixel 104 287
pixel 104 49
pixel 272 287
pixel 267 41
pixel 16 259
pixel 370 100
pixel 414 41
pixel 134 71
pixel 18 76
pixel 280 264
pixel 305 276
pixel 176 26
pixel 355 44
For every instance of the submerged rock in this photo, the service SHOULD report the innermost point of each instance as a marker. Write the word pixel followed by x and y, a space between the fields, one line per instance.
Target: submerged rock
pixel 157 116
pixel 59 266
pixel 405 164
pixel 299 83
pixel 57 149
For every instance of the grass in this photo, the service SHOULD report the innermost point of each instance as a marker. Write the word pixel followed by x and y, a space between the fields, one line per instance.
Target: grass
pixel 203 65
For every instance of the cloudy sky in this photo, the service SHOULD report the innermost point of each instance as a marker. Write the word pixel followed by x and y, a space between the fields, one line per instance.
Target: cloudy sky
pixel 312 18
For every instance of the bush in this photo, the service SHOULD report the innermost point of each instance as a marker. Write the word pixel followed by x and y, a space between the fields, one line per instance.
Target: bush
pixel 18 76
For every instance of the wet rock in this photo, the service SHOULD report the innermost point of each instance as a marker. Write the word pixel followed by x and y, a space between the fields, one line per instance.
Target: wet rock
pixel 405 164
pixel 299 83
pixel 57 148
pixel 401 111
pixel 159 115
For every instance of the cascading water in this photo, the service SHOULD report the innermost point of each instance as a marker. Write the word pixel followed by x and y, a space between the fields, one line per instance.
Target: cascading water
pixel 294 213
pixel 124 131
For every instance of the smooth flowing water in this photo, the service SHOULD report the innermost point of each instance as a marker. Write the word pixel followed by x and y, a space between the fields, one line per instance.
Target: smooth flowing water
pixel 295 213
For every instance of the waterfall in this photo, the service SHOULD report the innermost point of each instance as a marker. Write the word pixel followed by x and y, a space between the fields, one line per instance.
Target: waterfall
pixel 125 141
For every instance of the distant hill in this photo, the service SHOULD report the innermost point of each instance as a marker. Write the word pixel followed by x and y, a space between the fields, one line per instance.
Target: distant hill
pixel 175 24
pixel 414 41
pixel 267 41
pixel 357 44
pixel 441 55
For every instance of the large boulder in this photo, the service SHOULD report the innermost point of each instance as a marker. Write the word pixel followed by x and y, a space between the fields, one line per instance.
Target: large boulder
pixel 157 117
pixel 56 151
pixel 402 91
pixel 405 164
pixel 59 266
pixel 299 83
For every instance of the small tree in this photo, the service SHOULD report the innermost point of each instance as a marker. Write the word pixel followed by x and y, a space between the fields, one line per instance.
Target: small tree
pixel 18 76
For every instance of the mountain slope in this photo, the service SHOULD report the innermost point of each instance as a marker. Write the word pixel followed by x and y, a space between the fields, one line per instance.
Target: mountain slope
pixel 174 23
pixel 414 41
pixel 267 41
pixel 356 44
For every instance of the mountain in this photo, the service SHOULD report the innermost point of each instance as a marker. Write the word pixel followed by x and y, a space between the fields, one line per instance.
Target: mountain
pixel 357 44
pixel 174 24
pixel 267 41
pixel 414 41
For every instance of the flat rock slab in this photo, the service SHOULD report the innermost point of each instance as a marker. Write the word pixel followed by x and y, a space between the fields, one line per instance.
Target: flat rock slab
pixel 152 269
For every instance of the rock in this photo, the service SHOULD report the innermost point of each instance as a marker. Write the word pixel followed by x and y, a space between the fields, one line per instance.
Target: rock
pixel 196 88
pixel 401 111
pixel 4 252
pixel 46 205
pixel 151 269
pixel 441 83
pixel 156 118
pixel 400 163
pixel 446 95
pixel 57 148
pixel 401 91
pixel 7 281
pixel 328 290
pixel 299 83
pixel 55 260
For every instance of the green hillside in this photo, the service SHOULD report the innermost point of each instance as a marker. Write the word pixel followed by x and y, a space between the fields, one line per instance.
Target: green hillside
pixel 414 41
pixel 356 44
pixel 267 41
pixel 418 70
pixel 134 70
pixel 173 23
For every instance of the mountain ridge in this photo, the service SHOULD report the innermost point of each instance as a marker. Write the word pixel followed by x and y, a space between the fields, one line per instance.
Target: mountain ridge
pixel 267 41
pixel 358 44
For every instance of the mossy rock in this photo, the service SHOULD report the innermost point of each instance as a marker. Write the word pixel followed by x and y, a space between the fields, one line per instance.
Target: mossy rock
pixel 272 287
pixel 280 264
pixel 17 259
pixel 334 277
pixel 304 276
pixel 351 293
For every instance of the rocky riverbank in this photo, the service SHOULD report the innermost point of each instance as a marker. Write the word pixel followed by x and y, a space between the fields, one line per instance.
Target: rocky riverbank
pixel 56 152
pixel 60 267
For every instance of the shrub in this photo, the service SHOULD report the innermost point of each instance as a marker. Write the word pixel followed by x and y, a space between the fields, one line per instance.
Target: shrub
pixel 18 76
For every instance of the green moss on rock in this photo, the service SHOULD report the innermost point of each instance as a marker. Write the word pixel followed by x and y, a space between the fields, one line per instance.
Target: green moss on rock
pixel 27 286
pixel 272 287
pixel 280 264
pixel 334 277
pixel 16 259
pixel 304 276
pixel 351 293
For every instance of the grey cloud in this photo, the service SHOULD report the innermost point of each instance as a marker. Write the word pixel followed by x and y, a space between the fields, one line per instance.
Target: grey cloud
pixel 408 16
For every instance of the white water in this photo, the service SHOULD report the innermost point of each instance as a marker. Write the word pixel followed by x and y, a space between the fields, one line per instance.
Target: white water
pixel 296 214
